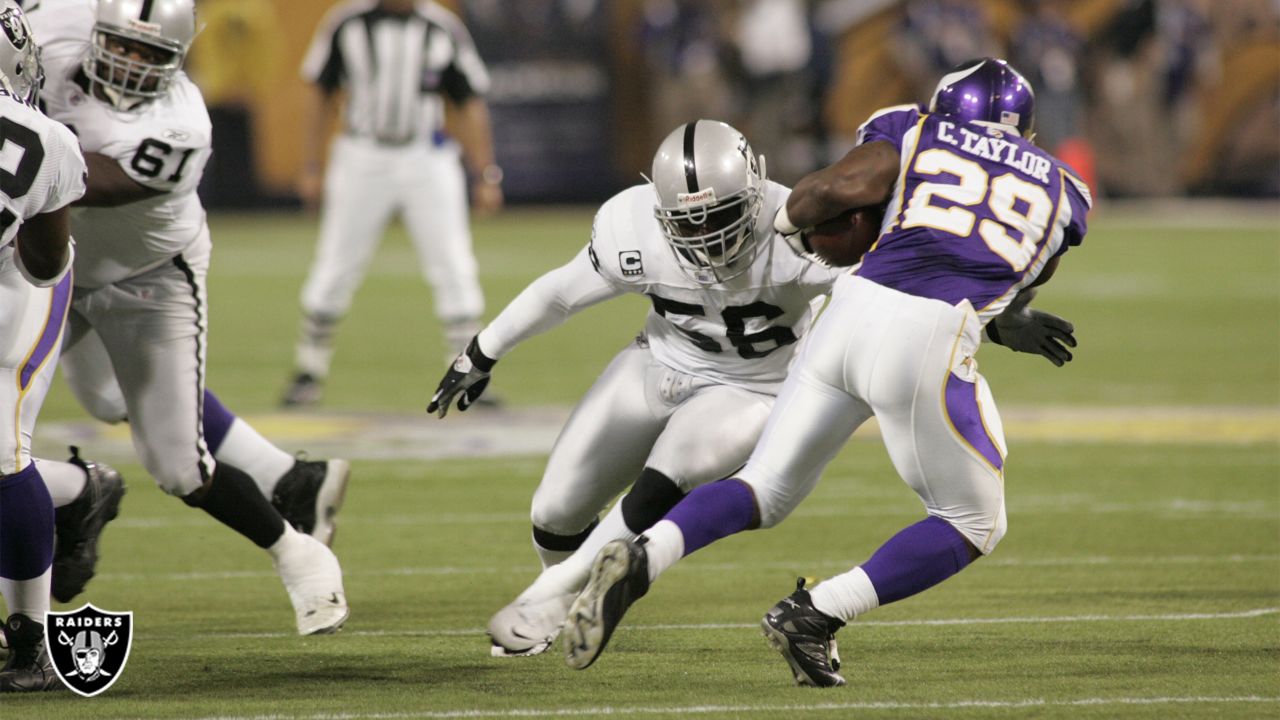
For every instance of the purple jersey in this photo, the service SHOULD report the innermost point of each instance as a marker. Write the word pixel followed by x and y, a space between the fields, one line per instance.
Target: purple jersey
pixel 976 213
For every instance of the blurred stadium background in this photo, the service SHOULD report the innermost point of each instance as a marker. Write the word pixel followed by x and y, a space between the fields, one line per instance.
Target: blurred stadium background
pixel 1141 576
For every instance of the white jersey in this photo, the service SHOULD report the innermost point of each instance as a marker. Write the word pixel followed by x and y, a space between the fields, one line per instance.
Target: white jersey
pixel 41 168
pixel 742 332
pixel 163 145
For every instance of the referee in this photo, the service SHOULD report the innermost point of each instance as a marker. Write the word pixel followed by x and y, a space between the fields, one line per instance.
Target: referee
pixel 401 69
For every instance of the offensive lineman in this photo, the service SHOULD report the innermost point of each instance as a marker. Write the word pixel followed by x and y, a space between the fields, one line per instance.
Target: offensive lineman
pixel 115 78
pixel 897 342
pixel 43 172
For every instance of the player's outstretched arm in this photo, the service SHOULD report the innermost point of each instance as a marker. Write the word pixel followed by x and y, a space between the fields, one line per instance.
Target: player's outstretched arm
pixel 44 247
pixel 545 304
pixel 110 186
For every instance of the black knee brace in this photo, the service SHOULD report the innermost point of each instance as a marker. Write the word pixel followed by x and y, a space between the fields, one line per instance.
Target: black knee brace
pixel 650 498
pixel 562 543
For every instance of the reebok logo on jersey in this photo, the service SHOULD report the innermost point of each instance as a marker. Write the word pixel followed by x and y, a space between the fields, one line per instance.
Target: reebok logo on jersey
pixel 630 263
pixel 176 135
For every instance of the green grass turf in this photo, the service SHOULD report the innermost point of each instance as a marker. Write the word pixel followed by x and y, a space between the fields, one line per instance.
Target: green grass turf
pixel 1127 585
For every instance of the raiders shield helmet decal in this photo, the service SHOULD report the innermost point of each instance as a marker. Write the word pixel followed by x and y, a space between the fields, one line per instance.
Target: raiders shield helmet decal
pixel 89 647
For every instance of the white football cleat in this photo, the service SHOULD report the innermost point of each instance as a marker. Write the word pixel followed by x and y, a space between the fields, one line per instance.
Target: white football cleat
pixel 313 577
pixel 526 628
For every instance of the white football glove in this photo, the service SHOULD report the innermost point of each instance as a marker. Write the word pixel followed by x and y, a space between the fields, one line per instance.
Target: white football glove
pixel 793 235
pixel 469 375
pixel 1022 329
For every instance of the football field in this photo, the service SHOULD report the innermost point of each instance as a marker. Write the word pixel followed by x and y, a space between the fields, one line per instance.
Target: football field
pixel 1140 577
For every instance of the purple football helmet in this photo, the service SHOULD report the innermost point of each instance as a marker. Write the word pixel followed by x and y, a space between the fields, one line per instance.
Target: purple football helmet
pixel 986 90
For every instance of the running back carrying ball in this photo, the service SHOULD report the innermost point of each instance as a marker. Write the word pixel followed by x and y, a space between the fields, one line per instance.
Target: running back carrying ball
pixel 840 241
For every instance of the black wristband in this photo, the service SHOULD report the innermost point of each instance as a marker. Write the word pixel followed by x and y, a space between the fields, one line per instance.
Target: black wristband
pixel 482 362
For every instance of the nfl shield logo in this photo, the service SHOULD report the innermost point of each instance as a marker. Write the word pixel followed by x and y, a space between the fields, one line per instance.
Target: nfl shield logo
pixel 89 647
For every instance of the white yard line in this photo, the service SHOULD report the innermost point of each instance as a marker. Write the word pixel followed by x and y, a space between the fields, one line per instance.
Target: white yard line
pixel 770 709
pixel 456 632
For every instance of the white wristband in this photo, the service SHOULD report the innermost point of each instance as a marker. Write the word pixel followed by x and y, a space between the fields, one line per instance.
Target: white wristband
pixel 782 222
pixel 66 268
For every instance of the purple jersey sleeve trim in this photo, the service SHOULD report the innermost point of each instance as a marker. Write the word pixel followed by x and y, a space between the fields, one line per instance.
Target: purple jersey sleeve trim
pixel 965 414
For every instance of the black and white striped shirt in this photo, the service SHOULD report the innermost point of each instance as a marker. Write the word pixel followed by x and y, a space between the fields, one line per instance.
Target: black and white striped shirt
pixel 397 68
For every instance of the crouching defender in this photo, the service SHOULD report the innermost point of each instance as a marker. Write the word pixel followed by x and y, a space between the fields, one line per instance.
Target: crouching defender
pixel 685 403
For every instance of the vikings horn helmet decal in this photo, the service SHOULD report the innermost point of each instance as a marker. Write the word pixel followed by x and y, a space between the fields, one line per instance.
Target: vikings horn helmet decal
pixel 987 90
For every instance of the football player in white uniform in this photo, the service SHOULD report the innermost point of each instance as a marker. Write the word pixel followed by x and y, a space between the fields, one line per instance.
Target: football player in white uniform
pixel 41 173
pixel 682 405
pixel 115 78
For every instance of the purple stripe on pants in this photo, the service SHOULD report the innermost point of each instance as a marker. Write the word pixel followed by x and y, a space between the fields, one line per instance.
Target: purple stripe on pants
pixel 52 331
pixel 966 417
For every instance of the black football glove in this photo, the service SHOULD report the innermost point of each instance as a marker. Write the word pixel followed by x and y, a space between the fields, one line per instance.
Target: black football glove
pixel 1022 329
pixel 468 376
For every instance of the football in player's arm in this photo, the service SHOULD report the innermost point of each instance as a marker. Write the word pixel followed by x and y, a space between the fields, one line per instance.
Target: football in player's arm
pixel 898 341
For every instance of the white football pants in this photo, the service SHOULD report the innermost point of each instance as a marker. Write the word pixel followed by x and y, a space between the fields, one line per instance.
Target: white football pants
pixel 153 326
pixel 640 414
pixel 31 322
pixel 910 362
pixel 366 185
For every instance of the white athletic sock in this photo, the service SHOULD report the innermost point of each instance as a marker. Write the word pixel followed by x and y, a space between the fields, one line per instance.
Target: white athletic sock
pixel 664 545
pixel 64 480
pixel 550 558
pixel 29 597
pixel 846 596
pixel 571 574
pixel 288 540
pixel 246 449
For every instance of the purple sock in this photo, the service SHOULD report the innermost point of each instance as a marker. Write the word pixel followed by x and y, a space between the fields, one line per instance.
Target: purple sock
pixel 217 421
pixel 26 525
pixel 713 511
pixel 917 558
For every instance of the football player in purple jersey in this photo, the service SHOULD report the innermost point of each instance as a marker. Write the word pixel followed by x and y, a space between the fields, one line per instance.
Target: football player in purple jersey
pixel 976 217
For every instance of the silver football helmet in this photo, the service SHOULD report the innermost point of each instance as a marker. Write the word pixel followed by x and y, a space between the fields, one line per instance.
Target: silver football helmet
pixel 710 188
pixel 138 46
pixel 20 72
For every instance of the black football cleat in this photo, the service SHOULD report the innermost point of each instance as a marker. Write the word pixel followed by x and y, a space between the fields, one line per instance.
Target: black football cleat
pixel 805 637
pixel 619 577
pixel 309 496
pixel 304 390
pixel 78 526
pixel 28 668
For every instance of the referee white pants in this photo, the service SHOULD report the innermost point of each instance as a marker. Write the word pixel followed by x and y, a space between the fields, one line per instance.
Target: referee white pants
pixel 366 185
pixel 31 322
pixel 910 362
